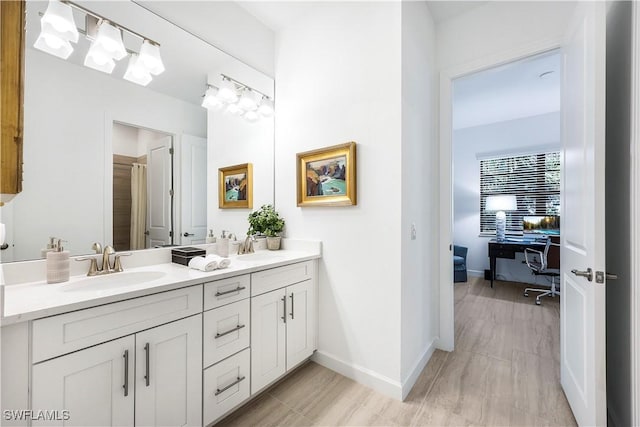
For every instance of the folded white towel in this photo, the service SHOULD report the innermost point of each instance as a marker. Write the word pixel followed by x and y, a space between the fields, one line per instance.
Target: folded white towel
pixel 203 264
pixel 222 262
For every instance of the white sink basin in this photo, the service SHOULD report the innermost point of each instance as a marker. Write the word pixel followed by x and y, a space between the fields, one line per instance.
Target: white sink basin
pixel 260 256
pixel 113 281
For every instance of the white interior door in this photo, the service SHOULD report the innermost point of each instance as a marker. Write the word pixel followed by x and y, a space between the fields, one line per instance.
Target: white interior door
pixel 582 312
pixel 194 189
pixel 159 183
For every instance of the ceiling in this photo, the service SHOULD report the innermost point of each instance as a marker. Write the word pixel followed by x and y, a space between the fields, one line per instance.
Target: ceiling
pixel 278 14
pixel 508 92
pixel 442 10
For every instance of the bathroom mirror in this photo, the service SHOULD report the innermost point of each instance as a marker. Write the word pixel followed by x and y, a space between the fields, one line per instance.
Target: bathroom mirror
pixel 84 130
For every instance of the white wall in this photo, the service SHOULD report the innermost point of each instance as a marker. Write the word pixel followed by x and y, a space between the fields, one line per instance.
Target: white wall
pixel 419 174
pixel 125 140
pixel 232 141
pixel 67 146
pixel 338 74
pixel 508 138
pixel 500 26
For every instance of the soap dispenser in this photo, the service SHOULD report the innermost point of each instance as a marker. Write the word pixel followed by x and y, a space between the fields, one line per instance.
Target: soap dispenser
pixel 210 237
pixel 57 263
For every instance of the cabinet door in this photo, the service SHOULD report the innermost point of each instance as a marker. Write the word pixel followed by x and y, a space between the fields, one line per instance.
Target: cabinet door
pixel 301 325
pixel 169 374
pixel 89 384
pixel 268 334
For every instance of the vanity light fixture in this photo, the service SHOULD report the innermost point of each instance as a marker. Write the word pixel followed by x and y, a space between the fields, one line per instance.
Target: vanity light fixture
pixel 251 104
pixel 58 29
pixel 136 72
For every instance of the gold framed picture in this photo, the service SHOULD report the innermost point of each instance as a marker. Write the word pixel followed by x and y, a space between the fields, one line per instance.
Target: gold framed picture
pixel 327 176
pixel 235 187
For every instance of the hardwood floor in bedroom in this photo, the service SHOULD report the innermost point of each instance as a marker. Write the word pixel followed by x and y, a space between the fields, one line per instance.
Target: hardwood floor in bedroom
pixel 504 372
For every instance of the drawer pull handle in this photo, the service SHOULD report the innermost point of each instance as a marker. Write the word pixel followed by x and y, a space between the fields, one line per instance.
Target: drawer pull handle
pixel 222 390
pixel 146 356
pixel 238 289
pixel 126 373
pixel 229 331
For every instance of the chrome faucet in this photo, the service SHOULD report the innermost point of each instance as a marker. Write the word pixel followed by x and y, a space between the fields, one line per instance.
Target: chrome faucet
pixel 247 246
pixel 106 267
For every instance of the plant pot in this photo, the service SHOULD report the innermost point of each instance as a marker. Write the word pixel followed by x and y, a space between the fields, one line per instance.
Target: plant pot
pixel 273 243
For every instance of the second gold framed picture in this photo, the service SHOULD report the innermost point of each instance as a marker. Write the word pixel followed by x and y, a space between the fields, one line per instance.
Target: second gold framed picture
pixel 235 187
pixel 327 176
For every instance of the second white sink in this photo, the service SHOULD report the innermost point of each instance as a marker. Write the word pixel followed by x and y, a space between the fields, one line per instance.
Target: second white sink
pixel 112 281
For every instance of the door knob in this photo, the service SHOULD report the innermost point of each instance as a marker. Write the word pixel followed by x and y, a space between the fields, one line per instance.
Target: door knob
pixel 146 232
pixel 587 274
pixel 188 234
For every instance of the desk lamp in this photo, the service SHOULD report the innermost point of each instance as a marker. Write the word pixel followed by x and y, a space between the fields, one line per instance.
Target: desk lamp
pixel 499 204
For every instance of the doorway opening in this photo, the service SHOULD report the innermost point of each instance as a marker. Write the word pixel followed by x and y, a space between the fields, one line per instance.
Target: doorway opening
pixel 142 188
pixel 506 169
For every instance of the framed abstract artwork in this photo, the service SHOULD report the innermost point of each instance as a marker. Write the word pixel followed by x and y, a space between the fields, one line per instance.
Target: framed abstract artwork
pixel 235 187
pixel 327 176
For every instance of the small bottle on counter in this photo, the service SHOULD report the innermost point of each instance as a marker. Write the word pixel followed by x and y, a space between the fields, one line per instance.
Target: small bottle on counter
pixel 210 237
pixel 223 244
pixel 57 263
pixel 49 248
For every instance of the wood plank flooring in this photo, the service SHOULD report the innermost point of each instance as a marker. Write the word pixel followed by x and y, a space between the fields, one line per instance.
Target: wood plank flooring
pixel 504 372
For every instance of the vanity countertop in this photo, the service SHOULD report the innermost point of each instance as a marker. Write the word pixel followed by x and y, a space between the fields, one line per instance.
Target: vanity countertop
pixel 28 301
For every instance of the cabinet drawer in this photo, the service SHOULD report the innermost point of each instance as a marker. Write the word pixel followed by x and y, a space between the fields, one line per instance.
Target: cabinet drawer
pixel 226 331
pixel 53 336
pixel 226 385
pixel 268 280
pixel 226 291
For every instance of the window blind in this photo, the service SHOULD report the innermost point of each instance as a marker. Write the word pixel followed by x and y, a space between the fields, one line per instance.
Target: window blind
pixel 533 178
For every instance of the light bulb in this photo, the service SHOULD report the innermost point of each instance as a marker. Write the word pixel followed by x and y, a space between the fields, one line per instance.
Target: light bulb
pixel 109 38
pixel 98 59
pixel 150 57
pixel 251 116
pixel 59 17
pixel 248 100
pixel 210 100
pixel 136 72
pixel 227 91
pixel 266 107
pixel 234 109
pixel 53 45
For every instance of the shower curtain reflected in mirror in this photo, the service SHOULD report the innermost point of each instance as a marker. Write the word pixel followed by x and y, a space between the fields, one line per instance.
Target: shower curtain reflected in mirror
pixel 138 205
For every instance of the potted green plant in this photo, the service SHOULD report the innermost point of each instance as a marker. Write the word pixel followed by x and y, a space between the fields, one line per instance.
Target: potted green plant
pixel 267 222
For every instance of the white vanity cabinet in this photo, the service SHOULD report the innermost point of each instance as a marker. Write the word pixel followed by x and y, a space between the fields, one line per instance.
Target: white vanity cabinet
pixel 155 373
pixel 283 321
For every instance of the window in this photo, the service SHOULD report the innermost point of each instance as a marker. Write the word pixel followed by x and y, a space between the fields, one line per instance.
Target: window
pixel 533 178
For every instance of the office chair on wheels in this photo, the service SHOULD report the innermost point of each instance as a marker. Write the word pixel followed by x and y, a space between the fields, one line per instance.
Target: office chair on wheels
pixel 544 263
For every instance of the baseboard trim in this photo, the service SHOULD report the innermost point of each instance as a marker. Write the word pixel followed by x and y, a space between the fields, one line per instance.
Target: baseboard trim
pixel 360 374
pixel 413 376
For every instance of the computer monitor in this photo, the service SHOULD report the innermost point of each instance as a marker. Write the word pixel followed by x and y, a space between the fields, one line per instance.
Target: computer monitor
pixel 547 225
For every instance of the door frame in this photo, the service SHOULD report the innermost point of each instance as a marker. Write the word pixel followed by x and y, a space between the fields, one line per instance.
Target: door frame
pixel 635 211
pixel 445 339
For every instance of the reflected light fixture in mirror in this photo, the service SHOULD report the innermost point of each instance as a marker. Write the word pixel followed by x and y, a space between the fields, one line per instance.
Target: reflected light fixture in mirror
pixel 57 30
pixel 251 104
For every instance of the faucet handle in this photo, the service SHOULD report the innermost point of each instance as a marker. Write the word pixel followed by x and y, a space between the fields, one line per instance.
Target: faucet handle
pixel 93 267
pixel 117 264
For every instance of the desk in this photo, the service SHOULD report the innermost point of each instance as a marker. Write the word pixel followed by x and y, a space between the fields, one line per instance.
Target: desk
pixel 508 249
